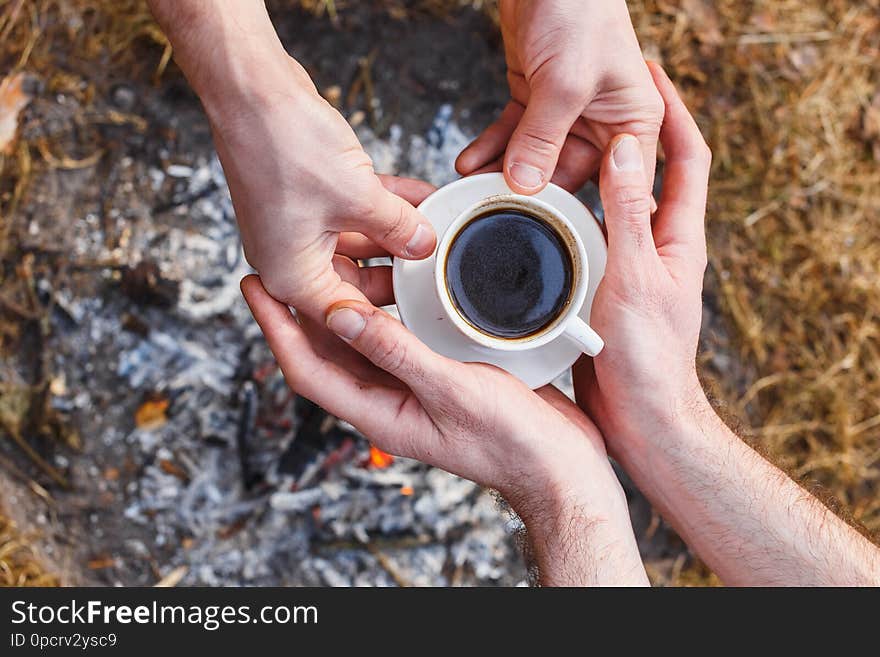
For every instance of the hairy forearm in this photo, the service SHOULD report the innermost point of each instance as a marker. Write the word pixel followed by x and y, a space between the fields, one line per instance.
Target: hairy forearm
pixel 743 516
pixel 584 550
pixel 580 534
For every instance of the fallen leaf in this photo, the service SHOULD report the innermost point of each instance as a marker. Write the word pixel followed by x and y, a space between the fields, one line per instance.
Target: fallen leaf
pixel 13 99
pixel 151 414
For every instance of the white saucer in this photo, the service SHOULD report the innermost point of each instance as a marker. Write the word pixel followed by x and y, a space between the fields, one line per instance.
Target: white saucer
pixel 420 309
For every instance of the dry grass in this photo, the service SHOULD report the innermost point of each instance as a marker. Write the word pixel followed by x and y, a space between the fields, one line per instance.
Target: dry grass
pixel 19 565
pixel 788 94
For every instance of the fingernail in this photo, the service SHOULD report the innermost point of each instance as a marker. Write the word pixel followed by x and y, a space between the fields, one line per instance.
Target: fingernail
pixel 653 204
pixel 526 176
pixel 421 243
pixel 627 155
pixel 346 323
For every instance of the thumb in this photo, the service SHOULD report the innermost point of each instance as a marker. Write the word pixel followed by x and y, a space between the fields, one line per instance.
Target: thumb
pixel 386 343
pixel 534 147
pixel 627 201
pixel 397 226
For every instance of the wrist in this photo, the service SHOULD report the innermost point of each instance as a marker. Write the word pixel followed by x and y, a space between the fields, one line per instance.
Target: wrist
pixel 577 520
pixel 658 418
pixel 229 52
pixel 667 451
pixel 258 84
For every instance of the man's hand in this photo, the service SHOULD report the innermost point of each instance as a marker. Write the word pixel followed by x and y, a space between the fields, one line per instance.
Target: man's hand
pixel 297 173
pixel 744 517
pixel 536 448
pixel 577 78
pixel 649 303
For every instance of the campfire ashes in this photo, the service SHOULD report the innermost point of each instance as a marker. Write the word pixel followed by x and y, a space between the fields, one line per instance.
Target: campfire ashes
pixel 227 477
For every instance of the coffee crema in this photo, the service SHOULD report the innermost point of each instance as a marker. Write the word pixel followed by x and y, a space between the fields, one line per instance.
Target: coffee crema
pixel 509 274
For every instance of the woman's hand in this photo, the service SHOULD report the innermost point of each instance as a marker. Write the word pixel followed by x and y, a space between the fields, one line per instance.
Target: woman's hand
pixel 577 78
pixel 475 420
pixel 297 173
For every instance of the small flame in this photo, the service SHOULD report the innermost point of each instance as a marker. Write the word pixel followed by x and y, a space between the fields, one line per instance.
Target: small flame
pixel 380 459
pixel 406 490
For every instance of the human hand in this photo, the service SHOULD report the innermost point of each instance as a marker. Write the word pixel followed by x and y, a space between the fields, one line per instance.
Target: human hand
pixel 536 448
pixel 746 519
pixel 577 79
pixel 296 171
pixel 648 306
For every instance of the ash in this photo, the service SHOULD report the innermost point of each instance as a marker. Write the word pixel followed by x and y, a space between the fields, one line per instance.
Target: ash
pixel 233 480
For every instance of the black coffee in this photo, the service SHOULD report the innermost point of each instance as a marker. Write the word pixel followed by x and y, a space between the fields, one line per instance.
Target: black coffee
pixel 509 273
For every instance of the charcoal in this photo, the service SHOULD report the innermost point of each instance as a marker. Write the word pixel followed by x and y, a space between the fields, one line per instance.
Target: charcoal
pixel 145 285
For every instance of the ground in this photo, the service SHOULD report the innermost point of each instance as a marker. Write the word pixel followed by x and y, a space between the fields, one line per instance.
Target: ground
pixel 163 444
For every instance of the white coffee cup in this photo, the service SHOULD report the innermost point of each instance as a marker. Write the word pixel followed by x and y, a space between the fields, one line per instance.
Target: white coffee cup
pixel 566 324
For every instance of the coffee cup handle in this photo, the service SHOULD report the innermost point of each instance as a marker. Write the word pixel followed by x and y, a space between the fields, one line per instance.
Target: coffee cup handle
pixel 578 331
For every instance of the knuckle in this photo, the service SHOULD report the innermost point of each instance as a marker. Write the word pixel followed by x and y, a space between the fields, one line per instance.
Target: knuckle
pixel 395 223
pixel 568 92
pixel 566 88
pixel 539 141
pixel 388 353
pixel 399 227
pixel 633 203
